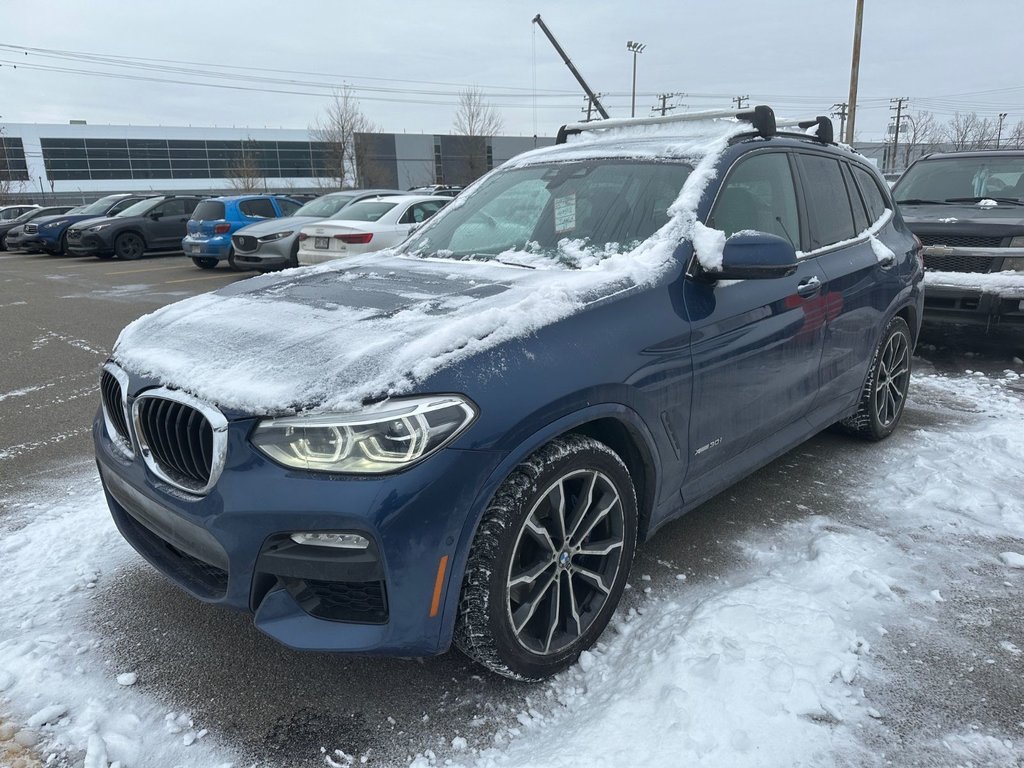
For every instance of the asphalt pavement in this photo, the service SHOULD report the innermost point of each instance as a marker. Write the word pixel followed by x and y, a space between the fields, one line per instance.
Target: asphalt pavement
pixel 60 317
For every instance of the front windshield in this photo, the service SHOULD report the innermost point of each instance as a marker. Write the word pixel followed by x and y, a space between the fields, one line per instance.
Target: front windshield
pixel 140 208
pixel 325 206
pixel 572 213
pixel 26 216
pixel 963 179
pixel 100 206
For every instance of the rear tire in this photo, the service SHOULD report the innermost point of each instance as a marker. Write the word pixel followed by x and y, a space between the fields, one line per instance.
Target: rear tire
pixel 129 246
pixel 885 392
pixel 549 560
pixel 204 262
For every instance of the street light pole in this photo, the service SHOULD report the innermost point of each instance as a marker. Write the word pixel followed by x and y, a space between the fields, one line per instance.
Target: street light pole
pixel 999 133
pixel 634 47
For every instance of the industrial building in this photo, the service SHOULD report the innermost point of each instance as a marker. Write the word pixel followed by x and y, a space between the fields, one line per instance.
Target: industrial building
pixel 75 162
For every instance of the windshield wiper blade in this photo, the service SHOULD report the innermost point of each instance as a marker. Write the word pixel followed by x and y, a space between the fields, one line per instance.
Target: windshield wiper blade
pixel 918 201
pixel 514 264
pixel 1010 200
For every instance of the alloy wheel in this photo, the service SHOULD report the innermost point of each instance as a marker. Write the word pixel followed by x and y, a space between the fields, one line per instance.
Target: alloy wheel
pixel 893 379
pixel 566 558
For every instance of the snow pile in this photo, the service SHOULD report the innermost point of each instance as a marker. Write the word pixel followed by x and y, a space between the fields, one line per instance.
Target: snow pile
pixel 1006 285
pixel 321 337
pixel 51 668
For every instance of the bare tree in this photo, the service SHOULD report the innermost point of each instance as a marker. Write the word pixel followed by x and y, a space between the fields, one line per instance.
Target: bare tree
pixel 984 134
pixel 245 174
pixel 960 131
pixel 921 133
pixel 336 128
pixel 1016 136
pixel 476 121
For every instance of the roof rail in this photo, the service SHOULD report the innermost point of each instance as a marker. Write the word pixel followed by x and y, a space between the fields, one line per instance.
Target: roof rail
pixel 824 133
pixel 761 117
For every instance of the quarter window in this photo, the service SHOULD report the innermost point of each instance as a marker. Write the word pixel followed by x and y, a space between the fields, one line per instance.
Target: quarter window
pixel 759 195
pixel 873 196
pixel 830 218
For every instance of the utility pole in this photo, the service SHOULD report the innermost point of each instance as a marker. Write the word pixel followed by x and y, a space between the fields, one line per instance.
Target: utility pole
pixel 896 136
pixel 738 101
pixel 663 98
pixel 589 108
pixel 999 133
pixel 635 48
pixel 839 110
pixel 854 72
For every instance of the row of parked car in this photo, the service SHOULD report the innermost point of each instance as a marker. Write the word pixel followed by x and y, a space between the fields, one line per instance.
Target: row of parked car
pixel 261 232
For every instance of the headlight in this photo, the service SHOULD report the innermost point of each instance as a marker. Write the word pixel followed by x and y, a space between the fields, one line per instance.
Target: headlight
pixel 273 237
pixel 381 439
pixel 1015 264
pixel 98 227
pixel 50 224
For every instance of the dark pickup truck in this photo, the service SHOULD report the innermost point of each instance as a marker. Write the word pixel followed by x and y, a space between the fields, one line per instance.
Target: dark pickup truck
pixel 967 208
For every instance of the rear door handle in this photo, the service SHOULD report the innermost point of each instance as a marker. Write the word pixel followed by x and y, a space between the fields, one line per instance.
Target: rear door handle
pixel 809 287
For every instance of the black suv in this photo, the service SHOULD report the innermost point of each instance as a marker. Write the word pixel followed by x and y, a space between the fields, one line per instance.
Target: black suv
pixel 967 208
pixel 153 224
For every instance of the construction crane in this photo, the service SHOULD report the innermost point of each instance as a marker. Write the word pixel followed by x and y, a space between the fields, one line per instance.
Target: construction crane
pixel 575 73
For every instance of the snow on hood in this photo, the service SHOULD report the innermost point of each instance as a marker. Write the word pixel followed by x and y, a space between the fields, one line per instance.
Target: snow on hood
pixel 335 336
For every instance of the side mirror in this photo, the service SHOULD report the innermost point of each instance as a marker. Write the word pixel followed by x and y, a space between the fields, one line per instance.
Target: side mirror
pixel 756 256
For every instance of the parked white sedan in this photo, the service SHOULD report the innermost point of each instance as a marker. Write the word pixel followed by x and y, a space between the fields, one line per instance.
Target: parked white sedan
pixel 370 225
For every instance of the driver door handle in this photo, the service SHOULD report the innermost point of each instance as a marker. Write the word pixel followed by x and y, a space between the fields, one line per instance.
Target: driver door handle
pixel 809 287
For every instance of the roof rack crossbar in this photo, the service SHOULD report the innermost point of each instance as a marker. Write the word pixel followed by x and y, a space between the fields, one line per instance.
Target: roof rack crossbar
pixel 825 132
pixel 761 117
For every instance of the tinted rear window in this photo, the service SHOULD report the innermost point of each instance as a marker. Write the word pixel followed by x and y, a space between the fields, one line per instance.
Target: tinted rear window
pixel 365 211
pixel 208 210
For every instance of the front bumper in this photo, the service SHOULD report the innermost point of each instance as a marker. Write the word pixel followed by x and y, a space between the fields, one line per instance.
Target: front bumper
pixel 265 255
pixel 89 244
pixel 216 247
pixel 231 547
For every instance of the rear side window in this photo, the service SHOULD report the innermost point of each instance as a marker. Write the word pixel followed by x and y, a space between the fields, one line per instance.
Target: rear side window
pixel 874 198
pixel 860 214
pixel 259 207
pixel 758 195
pixel 175 207
pixel 209 210
pixel 830 218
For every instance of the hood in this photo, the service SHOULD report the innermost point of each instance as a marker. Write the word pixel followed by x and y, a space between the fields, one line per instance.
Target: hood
pixel 83 224
pixel 335 336
pixel 272 226
pixel 72 218
pixel 965 218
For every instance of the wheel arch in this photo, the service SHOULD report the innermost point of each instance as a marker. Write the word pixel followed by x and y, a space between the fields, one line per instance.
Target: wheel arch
pixel 130 231
pixel 614 424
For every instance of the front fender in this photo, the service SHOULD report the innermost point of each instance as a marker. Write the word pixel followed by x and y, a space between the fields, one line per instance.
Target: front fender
pixel 567 423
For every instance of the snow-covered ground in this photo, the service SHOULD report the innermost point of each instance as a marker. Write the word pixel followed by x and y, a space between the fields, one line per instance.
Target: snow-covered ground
pixel 843 632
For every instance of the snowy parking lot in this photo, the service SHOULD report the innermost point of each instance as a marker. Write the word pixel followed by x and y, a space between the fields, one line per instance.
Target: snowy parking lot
pixel 848 605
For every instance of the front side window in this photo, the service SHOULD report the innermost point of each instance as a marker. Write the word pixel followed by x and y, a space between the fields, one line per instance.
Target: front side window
pixel 759 195
pixel 140 208
pixel 124 205
pixel 557 214
pixel 288 207
pixel 829 215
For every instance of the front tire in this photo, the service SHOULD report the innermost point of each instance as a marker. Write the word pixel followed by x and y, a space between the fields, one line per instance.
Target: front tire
pixel 204 262
pixel 549 561
pixel 885 392
pixel 129 246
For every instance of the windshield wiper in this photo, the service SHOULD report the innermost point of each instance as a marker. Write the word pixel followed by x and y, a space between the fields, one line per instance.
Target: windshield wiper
pixel 514 264
pixel 918 201
pixel 1010 200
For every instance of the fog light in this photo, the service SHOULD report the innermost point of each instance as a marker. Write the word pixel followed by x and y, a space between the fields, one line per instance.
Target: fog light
pixel 337 540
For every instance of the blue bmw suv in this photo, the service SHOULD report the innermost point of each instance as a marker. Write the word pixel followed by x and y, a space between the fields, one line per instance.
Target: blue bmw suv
pixel 463 439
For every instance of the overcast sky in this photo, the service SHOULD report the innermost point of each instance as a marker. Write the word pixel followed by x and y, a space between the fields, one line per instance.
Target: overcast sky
pixel 281 59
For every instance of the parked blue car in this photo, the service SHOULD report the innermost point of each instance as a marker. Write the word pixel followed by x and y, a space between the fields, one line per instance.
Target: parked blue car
pixel 214 220
pixel 49 233
pixel 464 439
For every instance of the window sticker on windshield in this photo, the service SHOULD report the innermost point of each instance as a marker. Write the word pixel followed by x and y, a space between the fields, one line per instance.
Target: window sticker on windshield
pixel 565 213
